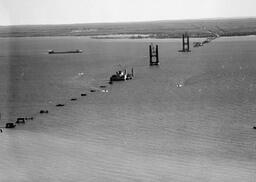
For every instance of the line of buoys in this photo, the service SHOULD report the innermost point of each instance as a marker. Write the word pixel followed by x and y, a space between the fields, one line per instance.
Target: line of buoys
pixel 18 121
pixel 22 120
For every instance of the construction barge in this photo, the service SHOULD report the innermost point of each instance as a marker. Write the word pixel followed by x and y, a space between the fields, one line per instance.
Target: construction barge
pixel 121 75
pixel 65 52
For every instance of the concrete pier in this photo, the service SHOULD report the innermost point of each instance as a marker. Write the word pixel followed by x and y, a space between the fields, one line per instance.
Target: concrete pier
pixel 153 55
pixel 185 43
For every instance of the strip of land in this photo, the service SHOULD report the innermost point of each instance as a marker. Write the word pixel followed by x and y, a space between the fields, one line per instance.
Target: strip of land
pixel 138 30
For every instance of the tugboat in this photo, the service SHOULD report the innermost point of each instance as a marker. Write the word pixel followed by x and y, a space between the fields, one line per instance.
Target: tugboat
pixel 122 75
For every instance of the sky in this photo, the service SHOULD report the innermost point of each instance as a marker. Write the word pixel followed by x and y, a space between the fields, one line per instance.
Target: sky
pixel 20 12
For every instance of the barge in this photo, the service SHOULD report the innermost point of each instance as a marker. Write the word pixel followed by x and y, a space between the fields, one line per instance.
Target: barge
pixel 65 52
pixel 121 75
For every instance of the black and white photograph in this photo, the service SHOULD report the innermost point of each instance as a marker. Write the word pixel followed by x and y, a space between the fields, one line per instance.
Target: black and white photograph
pixel 128 91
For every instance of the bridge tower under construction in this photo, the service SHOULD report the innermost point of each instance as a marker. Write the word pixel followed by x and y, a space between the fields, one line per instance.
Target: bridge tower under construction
pixel 185 43
pixel 153 55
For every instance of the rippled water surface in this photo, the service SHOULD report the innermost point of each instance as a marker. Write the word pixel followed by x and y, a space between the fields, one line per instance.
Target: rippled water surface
pixel 190 119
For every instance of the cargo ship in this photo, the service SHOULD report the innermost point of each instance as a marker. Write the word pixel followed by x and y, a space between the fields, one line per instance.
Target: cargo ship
pixel 64 52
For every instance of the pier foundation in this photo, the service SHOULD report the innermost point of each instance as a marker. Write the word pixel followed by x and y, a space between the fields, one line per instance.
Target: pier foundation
pixel 185 43
pixel 153 55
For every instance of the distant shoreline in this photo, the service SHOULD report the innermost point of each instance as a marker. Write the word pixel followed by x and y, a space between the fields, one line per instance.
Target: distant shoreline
pixel 131 37
pixel 142 30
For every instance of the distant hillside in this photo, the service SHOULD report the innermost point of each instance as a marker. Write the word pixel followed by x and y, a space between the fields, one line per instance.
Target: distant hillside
pixel 155 29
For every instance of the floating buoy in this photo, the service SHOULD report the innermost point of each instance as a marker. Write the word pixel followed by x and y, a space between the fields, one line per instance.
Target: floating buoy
pixel 44 111
pixel 10 125
pixel 20 121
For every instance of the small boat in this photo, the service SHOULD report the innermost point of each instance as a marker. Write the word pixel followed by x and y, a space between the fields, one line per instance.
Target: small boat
pixel 60 105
